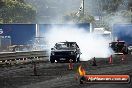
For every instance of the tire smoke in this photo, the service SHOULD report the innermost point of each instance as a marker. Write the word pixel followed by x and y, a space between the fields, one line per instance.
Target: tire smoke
pixel 91 45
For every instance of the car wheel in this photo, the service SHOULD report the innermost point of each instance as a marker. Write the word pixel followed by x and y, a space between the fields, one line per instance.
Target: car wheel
pixel 52 60
pixel 78 59
pixel 74 60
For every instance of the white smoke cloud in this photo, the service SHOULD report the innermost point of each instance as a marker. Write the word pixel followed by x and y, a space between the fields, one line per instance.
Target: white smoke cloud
pixel 91 45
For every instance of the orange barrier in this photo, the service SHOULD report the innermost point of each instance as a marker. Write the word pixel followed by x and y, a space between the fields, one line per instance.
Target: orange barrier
pixel 110 60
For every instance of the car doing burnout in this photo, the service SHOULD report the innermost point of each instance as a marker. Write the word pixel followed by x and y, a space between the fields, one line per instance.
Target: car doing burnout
pixel 119 47
pixel 64 51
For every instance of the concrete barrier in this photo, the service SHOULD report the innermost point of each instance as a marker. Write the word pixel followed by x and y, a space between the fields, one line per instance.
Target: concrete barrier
pixel 21 57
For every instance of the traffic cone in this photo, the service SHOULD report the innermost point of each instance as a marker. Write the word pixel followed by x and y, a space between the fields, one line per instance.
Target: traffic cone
pixel 70 64
pixel 34 69
pixel 110 60
pixel 76 76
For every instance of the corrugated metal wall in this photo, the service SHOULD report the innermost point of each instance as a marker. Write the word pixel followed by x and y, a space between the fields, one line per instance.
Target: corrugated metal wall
pixel 20 33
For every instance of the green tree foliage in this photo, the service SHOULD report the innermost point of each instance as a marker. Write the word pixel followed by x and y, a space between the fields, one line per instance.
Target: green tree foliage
pixel 123 16
pixel 111 5
pixel 1 3
pixel 114 12
pixel 82 18
pixel 16 11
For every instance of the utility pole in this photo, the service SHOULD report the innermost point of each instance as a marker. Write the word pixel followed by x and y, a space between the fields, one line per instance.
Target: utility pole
pixel 131 13
pixel 83 8
pixel 37 30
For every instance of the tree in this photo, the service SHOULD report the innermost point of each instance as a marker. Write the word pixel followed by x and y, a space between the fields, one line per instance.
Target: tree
pixel 1 3
pixel 16 11
pixel 111 5
pixel 82 18
pixel 123 16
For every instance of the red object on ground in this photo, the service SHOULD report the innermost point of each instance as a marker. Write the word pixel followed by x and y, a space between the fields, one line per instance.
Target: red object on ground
pixel 70 64
pixel 110 60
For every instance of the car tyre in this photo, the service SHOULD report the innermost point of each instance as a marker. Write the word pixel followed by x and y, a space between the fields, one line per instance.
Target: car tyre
pixel 52 60
pixel 78 59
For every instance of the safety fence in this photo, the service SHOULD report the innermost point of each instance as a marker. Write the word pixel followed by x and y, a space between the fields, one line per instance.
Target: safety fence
pixel 21 57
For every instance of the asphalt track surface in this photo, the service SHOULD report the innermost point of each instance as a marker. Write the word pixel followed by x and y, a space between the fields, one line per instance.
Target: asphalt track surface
pixel 57 75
